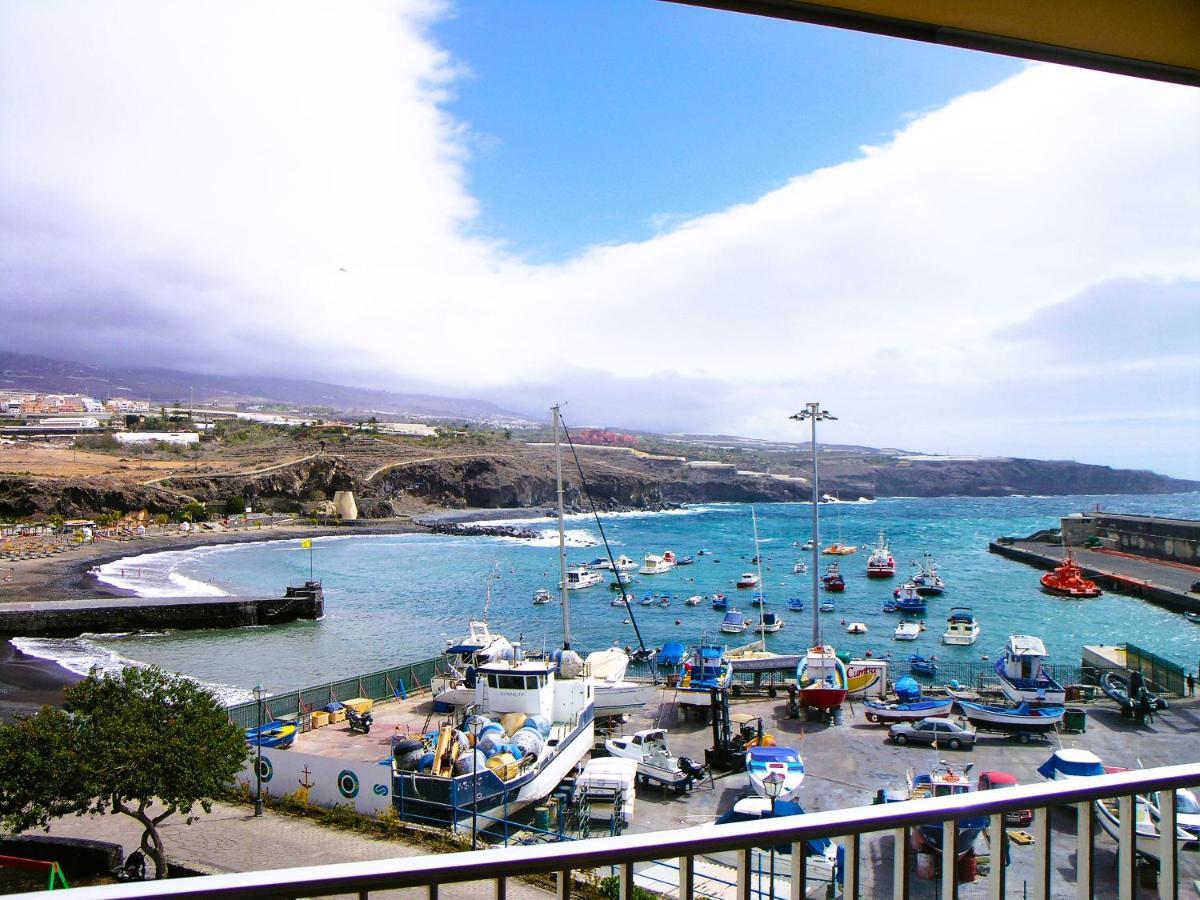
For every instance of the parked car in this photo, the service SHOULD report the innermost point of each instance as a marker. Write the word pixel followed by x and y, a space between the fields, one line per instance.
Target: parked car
pixel 945 732
pixel 989 780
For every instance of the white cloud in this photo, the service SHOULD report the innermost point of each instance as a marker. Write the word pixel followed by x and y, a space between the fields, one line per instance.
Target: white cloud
pixel 185 186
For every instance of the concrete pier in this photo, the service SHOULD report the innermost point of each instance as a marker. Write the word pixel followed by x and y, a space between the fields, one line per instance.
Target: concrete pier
pixel 1164 583
pixel 70 618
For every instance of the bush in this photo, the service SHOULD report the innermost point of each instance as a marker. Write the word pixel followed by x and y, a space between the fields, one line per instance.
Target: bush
pixel 610 886
pixel 234 506
pixel 97 442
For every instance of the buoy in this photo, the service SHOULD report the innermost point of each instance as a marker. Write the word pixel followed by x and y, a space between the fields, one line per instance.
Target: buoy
pixel 677 622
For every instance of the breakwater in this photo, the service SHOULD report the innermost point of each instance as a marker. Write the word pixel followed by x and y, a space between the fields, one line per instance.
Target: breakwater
pixel 71 618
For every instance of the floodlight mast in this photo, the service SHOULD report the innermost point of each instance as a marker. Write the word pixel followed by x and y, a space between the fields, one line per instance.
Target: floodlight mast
pixel 813 413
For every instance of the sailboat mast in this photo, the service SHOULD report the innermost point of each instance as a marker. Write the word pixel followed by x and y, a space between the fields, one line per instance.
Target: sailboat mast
pixel 762 622
pixel 816 530
pixel 562 535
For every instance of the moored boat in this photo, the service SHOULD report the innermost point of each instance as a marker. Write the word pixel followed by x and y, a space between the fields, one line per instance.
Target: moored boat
pixel 1023 674
pixel 856 628
pixel 748 580
pixel 685 561
pixel 579 577
pixel 927 581
pixel 907 631
pixel 719 601
pixel 734 622
pixel 795 604
pixel 839 549
pixel 907 598
pixel 827 605
pixel 881 564
pixel 832 579
pixel 961 627
pixel 694 600
pixel 922 665
pixel 542 596
pixel 1067 580
pixel 625 564
pixel 800 568
pixel 621 580
pixel 654 565
pixel 769 623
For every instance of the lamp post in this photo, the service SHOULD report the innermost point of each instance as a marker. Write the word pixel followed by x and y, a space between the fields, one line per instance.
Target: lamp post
pixel 259 694
pixel 773 785
pixel 813 413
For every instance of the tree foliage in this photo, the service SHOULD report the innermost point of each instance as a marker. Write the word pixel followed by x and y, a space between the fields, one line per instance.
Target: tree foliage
pixel 142 743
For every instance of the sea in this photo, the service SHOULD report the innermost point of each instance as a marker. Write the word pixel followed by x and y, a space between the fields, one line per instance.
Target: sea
pixel 394 599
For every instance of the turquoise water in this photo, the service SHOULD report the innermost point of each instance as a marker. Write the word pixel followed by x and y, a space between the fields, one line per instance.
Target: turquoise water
pixel 392 599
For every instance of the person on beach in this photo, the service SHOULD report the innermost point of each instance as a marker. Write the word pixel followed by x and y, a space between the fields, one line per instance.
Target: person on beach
pixel 1191 685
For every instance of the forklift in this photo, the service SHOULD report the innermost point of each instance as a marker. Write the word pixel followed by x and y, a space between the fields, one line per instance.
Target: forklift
pixel 728 752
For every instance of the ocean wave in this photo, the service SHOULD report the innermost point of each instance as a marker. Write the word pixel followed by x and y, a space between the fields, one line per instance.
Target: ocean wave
pixel 82 654
pixel 157 575
pixel 572 537
pixel 624 514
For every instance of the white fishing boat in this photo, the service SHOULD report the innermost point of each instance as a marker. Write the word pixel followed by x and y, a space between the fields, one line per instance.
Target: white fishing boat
pixel 907 631
pixel 456 685
pixel 881 564
pixel 734 622
pixel 1023 674
pixel 655 762
pixel 654 564
pixel 765 762
pixel 542 596
pixel 579 577
pixel 800 568
pixel 769 623
pixel 615 696
pixel 961 627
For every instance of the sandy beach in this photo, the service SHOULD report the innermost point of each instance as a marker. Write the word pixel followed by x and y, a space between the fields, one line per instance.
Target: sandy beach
pixel 27 682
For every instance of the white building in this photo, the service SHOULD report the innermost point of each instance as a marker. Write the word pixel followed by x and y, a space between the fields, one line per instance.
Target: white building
pixel 167 437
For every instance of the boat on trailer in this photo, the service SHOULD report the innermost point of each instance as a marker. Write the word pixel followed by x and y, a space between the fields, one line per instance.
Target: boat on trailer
pixel 1020 718
pixel 907 712
pixel 763 762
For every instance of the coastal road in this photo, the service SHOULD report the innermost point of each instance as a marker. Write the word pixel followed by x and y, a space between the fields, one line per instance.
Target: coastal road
pixel 231 839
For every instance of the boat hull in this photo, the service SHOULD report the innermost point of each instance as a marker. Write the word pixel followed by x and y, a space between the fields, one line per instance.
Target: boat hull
pixel 993 718
pixel 906 712
pixel 825 698
pixel 622 697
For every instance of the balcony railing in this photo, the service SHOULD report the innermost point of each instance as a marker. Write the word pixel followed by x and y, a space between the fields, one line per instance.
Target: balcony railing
pixel 685 846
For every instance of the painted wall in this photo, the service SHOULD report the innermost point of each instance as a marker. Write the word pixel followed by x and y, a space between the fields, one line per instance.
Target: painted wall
pixel 331 782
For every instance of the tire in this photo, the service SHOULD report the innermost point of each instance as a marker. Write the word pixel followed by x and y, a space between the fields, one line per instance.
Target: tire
pixel 736 690
pixel 954 743
pixel 772 692
pixel 871 717
pixel 900 739
pixel 1023 738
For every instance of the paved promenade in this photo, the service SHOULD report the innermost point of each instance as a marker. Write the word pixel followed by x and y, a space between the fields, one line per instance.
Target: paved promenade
pixel 230 839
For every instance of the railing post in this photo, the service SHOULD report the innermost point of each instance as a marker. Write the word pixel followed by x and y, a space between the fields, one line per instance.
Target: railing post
pixel 901 861
pixel 998 847
pixel 1126 849
pixel 433 892
pixel 687 877
pixel 1085 869
pixel 626 881
pixel 743 874
pixel 799 883
pixel 1042 868
pixel 1168 866
pixel 850 879
pixel 564 885
pixel 501 888
pixel 949 860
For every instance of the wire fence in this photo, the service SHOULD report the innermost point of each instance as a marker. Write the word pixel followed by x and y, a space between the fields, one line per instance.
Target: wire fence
pixel 387 684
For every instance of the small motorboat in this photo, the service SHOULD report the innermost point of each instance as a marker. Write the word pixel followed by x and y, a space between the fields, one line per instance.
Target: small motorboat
pixel 703 552
pixel 685 561
pixel 620 601
pixel 694 600
pixel 655 565
pixel 907 712
pixel 1020 718
pixel 856 628
pixel 827 606
pixel 580 577
pixel 733 623
pixel 1067 581
pixel 748 580
pixel 719 601
pixel 769 622
pixel 881 564
pixel 622 580
pixel 647 600
pixel 601 562
pixel 277 734
pixel 908 599
pixel 907 631
pixel 889 606
pixel 839 549
pixel 807 545
pixel 927 581
pixel 958 691
pixel 1192 617
pixel 664 601
pixel 625 564
pixel 795 604
pixel 655 762
pixel 800 568
pixel 961 627
pixel 542 596
pixel 922 665
pixel 763 762
pixel 758 600
pixel 832 579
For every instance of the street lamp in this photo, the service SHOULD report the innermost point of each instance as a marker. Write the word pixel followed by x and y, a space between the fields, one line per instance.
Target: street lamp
pixel 773 785
pixel 259 694
pixel 813 413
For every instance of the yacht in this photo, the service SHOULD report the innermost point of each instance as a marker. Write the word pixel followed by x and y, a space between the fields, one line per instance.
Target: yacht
pixel 654 564
pixel 961 627
pixel 580 577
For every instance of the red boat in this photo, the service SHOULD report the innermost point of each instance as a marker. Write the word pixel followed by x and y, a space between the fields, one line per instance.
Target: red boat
pixel 881 564
pixel 832 579
pixel 1067 581
pixel 821 677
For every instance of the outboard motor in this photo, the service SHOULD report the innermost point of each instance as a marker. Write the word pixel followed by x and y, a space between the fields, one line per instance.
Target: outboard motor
pixel 694 770
pixel 359 721
pixel 134 868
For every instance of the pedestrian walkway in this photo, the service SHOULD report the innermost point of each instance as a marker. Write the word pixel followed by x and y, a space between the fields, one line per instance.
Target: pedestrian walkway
pixel 231 839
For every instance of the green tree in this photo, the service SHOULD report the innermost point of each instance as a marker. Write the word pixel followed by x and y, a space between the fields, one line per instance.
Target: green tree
pixel 142 743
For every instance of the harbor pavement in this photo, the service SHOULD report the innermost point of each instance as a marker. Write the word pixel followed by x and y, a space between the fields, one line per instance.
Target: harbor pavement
pixel 231 839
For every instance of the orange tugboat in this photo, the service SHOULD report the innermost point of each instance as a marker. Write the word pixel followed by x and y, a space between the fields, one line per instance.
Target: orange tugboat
pixel 1067 581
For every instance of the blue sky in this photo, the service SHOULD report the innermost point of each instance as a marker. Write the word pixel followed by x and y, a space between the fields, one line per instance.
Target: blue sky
pixel 671 218
pixel 595 121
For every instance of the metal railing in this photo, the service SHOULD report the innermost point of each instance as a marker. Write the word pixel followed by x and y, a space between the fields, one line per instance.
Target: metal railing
pixel 685 846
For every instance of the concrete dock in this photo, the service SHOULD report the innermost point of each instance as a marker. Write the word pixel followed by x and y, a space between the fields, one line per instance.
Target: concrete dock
pixel 1165 583
pixel 70 618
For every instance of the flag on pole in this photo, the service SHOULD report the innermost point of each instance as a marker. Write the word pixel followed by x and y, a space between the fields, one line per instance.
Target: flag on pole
pixel 306 543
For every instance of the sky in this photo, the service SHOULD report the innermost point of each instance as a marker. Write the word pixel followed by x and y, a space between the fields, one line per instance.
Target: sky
pixel 667 218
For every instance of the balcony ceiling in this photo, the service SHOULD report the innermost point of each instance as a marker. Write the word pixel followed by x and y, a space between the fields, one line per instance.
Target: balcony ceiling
pixel 1158 39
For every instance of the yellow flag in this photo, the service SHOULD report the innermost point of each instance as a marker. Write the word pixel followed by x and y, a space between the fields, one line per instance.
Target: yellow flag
pixel 306 543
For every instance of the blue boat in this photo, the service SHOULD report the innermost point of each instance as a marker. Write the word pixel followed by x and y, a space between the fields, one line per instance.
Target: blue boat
pixel 889 606
pixel 922 665
pixel 684 561
pixel 1021 718
pixel 753 809
pixel 758 600
pixel 907 712
pixel 795 604
pixel 274 734
pixel 908 600
pixel 944 781
pixel 719 602
pixel 671 654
